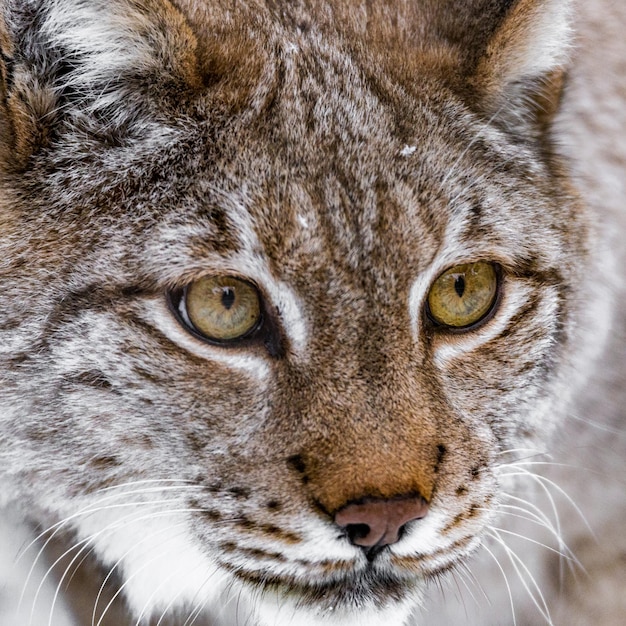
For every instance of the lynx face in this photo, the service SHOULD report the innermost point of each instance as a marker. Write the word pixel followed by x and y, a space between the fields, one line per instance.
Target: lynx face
pixel 283 287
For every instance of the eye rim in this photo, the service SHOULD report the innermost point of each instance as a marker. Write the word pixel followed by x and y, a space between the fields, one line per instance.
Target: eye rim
pixel 176 298
pixel 488 316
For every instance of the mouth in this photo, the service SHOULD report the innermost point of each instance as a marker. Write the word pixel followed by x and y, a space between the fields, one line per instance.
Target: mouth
pixel 372 585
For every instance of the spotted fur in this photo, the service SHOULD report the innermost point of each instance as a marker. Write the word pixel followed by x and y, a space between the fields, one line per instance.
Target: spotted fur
pixel 340 156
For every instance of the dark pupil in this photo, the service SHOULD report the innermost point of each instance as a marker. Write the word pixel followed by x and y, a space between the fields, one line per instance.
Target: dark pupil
pixel 228 298
pixel 459 286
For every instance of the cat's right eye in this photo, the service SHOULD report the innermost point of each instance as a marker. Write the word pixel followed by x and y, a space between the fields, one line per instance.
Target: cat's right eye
pixel 221 309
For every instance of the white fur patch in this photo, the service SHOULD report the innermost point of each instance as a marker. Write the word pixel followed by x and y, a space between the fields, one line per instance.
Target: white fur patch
pixel 514 298
pixel 107 37
pixel 169 255
pixel 547 44
pixel 156 312
pixel 534 42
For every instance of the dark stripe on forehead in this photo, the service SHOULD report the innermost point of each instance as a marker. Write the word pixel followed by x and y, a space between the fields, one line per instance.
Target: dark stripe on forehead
pixel 221 238
pixel 89 378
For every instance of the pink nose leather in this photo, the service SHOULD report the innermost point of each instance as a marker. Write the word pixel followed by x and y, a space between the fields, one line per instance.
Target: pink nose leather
pixel 377 522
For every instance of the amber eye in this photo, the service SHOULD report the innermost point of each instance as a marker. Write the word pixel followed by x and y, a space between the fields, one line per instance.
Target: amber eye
pixel 463 295
pixel 222 308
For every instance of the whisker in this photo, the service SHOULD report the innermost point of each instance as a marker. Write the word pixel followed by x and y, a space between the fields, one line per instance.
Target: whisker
pixel 539 543
pixel 200 606
pixel 461 576
pixel 597 425
pixel 529 517
pixel 117 563
pixel 532 451
pixel 85 543
pixel 534 476
pixel 532 509
pixel 176 597
pixel 545 482
pixel 517 562
pixel 506 581
pixel 134 483
pixel 125 584
pixel 85 511
pixel 59 526
pixel 475 581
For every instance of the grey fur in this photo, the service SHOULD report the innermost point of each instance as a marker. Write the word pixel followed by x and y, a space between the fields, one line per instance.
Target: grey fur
pixel 340 156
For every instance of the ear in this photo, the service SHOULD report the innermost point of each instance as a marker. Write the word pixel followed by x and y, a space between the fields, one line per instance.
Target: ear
pixel 96 65
pixel 6 126
pixel 519 76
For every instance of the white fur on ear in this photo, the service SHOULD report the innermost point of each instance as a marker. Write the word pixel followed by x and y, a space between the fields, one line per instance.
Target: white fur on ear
pixel 532 42
pixel 104 37
pixel 109 38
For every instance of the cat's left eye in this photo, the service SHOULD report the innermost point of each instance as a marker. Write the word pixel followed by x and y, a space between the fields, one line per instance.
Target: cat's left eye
pixel 221 309
pixel 464 295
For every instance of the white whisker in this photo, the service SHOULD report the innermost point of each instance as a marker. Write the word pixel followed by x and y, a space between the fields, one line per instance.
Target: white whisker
pixel 119 561
pixel 545 483
pixel 517 562
pixel 129 519
pixel 506 582
pixel 126 582
pixel 59 526
pixel 539 543
pixel 461 576
pixel 475 581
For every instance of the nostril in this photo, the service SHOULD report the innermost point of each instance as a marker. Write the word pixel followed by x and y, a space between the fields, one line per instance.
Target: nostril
pixel 357 532
pixel 377 521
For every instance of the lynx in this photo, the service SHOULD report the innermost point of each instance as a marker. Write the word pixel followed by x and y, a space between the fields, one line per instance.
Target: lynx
pixel 310 312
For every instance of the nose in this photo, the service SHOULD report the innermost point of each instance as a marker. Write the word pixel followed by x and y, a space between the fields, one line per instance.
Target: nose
pixel 378 522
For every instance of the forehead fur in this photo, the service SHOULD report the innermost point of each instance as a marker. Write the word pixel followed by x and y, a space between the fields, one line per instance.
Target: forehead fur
pixel 119 58
pixel 190 113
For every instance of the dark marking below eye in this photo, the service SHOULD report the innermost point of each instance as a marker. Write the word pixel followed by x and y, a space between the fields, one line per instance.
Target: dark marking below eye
pixel 196 443
pixel 105 462
pixel 228 546
pixel 329 566
pixel 211 514
pixel 245 523
pixel 239 492
pixel 297 462
pixel 462 490
pixel 269 530
pixel 91 378
pixel 279 533
pixel 257 553
pixel 441 453
pixel 476 209
pixel 455 523
pixel 274 505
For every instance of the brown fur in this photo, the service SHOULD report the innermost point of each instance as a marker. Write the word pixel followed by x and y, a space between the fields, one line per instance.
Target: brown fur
pixel 339 156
